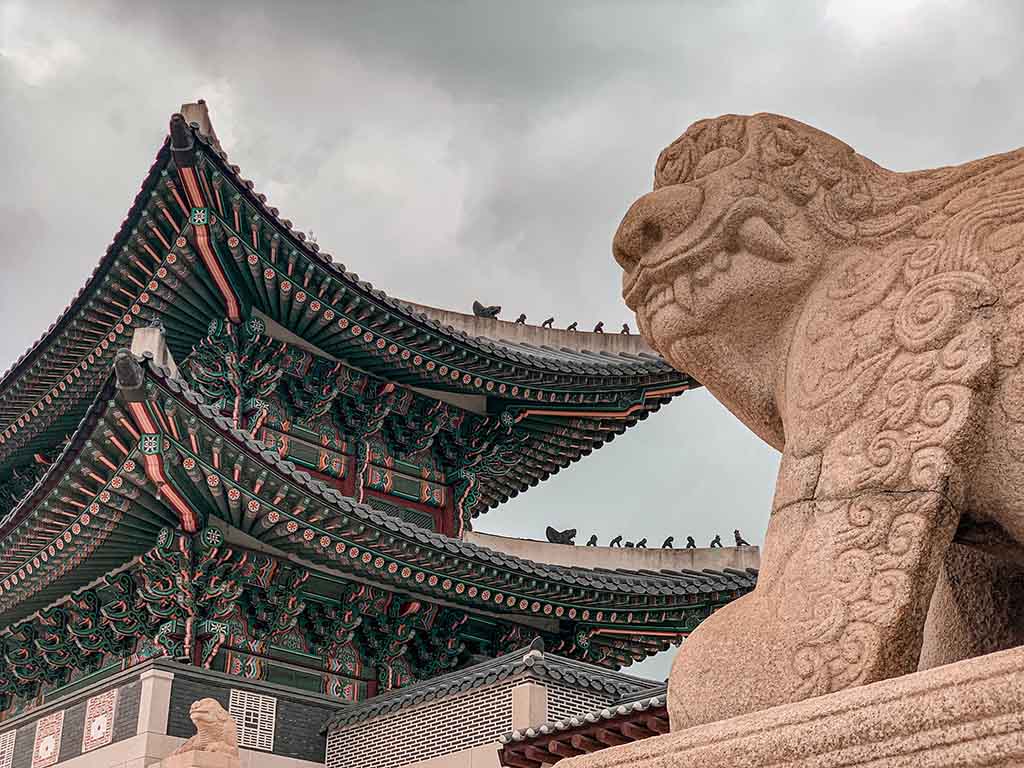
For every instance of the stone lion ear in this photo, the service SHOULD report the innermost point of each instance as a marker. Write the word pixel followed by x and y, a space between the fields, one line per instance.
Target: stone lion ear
pixel 675 163
pixel 782 146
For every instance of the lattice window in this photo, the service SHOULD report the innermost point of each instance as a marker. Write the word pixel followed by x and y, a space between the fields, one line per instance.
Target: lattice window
pixel 7 748
pixel 254 716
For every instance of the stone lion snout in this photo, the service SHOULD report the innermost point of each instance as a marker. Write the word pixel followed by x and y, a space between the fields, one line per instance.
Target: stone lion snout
pixel 654 219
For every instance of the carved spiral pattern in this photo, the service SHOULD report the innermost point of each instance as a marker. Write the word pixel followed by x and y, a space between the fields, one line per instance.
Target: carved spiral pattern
pixel 932 311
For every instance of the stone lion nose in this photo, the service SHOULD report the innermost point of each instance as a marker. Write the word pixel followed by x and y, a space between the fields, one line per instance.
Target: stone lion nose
pixel 655 218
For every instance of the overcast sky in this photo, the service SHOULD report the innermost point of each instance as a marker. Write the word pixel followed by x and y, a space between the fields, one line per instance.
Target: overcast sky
pixel 452 151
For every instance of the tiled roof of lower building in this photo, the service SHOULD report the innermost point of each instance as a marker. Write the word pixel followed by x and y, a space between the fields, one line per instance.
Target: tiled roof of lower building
pixel 530 662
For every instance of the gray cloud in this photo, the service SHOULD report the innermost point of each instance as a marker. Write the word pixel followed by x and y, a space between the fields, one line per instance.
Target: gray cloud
pixel 452 151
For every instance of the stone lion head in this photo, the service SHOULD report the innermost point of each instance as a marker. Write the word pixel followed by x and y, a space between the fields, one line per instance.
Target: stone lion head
pixel 746 214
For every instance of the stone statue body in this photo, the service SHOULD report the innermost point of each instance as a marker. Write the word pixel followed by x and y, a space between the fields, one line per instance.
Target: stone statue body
pixel 869 324
pixel 215 730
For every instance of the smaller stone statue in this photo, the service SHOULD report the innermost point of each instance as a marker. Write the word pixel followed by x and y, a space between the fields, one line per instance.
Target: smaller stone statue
pixel 521 320
pixel 572 326
pixel 483 311
pixel 592 541
pixel 548 323
pixel 717 541
pixel 668 543
pixel 625 329
pixel 642 544
pixel 215 731
pixel 690 543
pixel 616 542
pixel 599 328
pixel 740 541
pixel 567 536
pixel 630 545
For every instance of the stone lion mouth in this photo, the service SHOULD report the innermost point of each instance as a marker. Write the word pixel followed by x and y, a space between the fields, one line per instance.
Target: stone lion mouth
pixel 671 273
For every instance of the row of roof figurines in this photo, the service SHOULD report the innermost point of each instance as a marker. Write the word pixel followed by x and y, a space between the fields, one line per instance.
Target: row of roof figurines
pixel 481 310
pixel 568 536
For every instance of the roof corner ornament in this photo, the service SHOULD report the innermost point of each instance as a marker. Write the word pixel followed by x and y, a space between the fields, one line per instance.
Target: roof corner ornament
pixel 625 329
pixel 536 649
pixel 521 320
pixel 183 144
pixel 481 310
pixel 549 323
pixel 740 541
pixel 197 114
pixel 129 374
pixel 599 328
pixel 151 341
pixel 567 536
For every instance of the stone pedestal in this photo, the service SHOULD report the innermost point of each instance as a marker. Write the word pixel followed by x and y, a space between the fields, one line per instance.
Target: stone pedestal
pixel 198 759
pixel 968 714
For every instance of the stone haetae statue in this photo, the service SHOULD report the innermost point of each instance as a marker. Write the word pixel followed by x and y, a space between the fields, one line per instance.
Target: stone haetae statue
pixel 879 316
pixel 215 733
pixel 481 310
pixel 567 536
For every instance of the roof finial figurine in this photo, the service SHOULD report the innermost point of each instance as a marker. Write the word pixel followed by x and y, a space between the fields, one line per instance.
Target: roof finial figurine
pixel 740 541
pixel 616 542
pixel 521 320
pixel 625 329
pixel 668 543
pixel 481 311
pixel 592 541
pixel 548 323
pixel 572 326
pixel 630 545
pixel 642 544
pixel 561 537
pixel 717 541
pixel 690 543
pixel 599 328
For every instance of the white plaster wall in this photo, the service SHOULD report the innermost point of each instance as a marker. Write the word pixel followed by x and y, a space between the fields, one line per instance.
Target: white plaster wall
pixel 654 558
pixel 148 749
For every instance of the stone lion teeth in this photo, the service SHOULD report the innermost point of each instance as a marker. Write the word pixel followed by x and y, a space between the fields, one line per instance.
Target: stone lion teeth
pixel 683 291
pixel 703 274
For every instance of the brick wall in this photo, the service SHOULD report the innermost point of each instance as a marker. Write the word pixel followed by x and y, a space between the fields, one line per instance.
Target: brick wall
pixel 296 729
pixel 565 701
pixel 421 732
pixel 125 723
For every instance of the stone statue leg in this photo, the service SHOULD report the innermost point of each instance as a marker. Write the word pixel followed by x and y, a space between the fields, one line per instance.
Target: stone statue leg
pixel 976 607
pixel 841 601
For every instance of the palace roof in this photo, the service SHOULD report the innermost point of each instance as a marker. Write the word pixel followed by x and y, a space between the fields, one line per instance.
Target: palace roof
pixel 637 716
pixel 150 453
pixel 199 244
pixel 530 663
